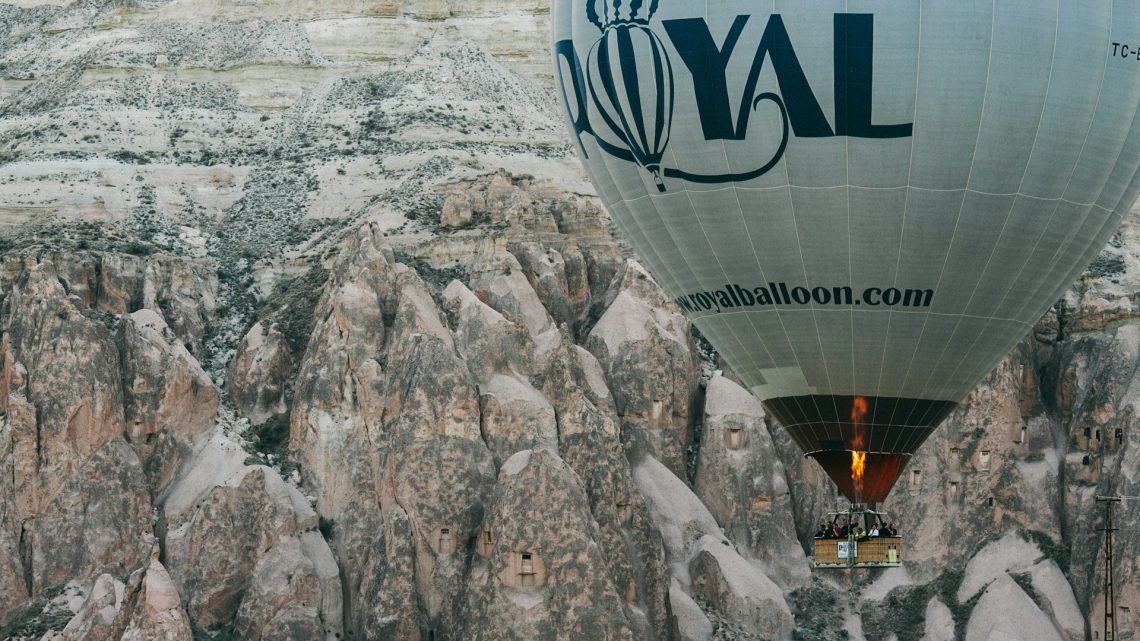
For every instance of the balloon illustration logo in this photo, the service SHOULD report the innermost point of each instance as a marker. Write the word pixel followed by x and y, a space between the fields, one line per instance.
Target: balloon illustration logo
pixel 630 80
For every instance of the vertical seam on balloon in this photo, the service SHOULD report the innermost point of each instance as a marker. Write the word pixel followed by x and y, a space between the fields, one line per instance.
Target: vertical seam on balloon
pixel 650 252
pixel 1098 239
pixel 965 191
pixel 1020 186
pixel 1069 241
pixel 906 208
pixel 811 308
pixel 748 234
pixel 850 267
pixel 759 266
pixel 957 222
pixel 779 317
pixel 906 196
pixel 724 272
pixel 1066 243
pixel 803 266
pixel 1080 156
pixel 700 224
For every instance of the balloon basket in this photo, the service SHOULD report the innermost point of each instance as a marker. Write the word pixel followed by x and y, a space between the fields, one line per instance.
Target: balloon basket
pixel 852 547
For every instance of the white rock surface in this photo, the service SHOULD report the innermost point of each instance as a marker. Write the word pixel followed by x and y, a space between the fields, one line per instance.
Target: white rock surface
pixel 738 591
pixel 1052 586
pixel 1011 553
pixel 939 622
pixel 679 515
pixel 692 624
pixel 1006 613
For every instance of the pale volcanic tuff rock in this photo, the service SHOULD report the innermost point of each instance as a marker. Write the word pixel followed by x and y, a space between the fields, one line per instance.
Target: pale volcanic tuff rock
pixel 75 497
pixel 544 575
pixel 589 442
pixel 1005 611
pixel 487 341
pixel 158 613
pixel 240 547
pixel 65 429
pixel 438 466
pixel 560 242
pixel 259 374
pixel 169 401
pixel 146 607
pixel 1097 373
pixel 421 474
pixel 705 564
pixel 738 591
pixel 587 436
pixel 183 289
pixel 991 467
pixel 338 388
pixel 510 293
pixel 645 348
pixel 387 420
pixel 740 479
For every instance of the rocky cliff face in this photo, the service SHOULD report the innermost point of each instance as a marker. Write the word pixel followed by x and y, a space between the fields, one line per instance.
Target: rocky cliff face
pixel 310 327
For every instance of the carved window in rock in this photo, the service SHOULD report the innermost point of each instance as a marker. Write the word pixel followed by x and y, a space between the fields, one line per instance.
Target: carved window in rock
pixel 623 508
pixel 955 458
pixel 527 576
pixel 483 543
pixel 984 461
pixel 1086 460
pixel 523 569
pixel 735 438
pixel 1124 618
pixel 952 491
pixel 915 481
pixel 1120 436
pixel 1024 437
pixel 445 543
pixel 1098 434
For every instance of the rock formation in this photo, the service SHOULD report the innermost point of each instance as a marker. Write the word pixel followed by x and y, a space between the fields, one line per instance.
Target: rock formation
pixel 312 328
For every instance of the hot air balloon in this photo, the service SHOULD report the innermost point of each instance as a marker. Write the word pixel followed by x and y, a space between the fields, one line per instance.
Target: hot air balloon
pixel 862 205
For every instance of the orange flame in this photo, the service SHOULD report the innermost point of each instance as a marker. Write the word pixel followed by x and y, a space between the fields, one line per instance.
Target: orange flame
pixel 858 410
pixel 858 465
pixel 858 458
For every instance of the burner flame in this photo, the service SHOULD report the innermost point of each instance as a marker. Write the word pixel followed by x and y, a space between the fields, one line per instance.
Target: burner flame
pixel 858 458
pixel 858 465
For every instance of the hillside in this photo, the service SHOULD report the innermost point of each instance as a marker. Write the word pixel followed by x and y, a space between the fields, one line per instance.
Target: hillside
pixel 312 327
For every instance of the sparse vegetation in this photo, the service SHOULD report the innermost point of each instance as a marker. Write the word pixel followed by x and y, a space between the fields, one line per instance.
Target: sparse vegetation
pixel 38 617
pixel 903 612
pixel 291 307
pixel 818 613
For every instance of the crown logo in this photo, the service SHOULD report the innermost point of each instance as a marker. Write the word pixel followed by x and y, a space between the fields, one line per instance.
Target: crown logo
pixel 620 12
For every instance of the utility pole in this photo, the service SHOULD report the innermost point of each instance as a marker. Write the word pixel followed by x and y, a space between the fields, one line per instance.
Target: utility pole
pixel 1109 588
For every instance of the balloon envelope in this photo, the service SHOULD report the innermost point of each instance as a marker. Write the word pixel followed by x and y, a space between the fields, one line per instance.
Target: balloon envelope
pixel 862 204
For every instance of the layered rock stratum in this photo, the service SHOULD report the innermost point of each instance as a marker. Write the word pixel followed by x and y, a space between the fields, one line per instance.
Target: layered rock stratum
pixel 312 328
